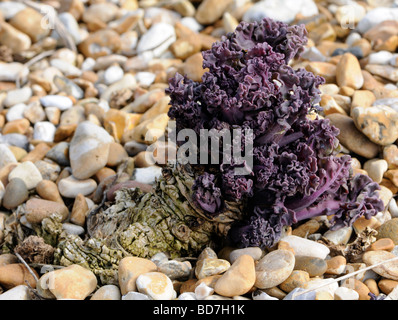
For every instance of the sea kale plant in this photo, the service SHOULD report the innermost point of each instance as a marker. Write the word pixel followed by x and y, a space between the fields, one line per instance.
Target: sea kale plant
pixel 297 172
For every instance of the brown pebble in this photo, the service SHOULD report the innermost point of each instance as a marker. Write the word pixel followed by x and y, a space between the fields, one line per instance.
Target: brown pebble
pixel 382 244
pixel 372 285
pixel 336 265
pixel 188 286
pixel 387 285
pixel 297 279
pixel 358 286
pixel 79 210
pixel 48 190
pixel 15 274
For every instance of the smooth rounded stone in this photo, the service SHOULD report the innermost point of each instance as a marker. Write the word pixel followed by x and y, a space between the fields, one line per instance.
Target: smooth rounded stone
pixel 285 10
pixel 73 229
pixel 358 286
pixel 107 292
pixel 322 285
pixel 238 279
pixel 60 154
pixel 100 43
pixel 375 17
pixel 187 296
pixel 175 270
pixel 48 169
pixel 20 292
pixel 79 210
pixel 351 138
pixel 135 296
pixel 336 265
pixel 348 72
pixel 298 294
pixel 255 252
pixel 66 68
pixel 376 169
pixel 157 39
pixel 209 11
pixel 27 172
pixel 6 156
pixel 393 208
pixel 389 229
pixel 208 253
pixel 297 279
pixel 72 116
pixel 387 286
pixel 130 268
pixel 16 112
pixel 385 244
pixel 61 102
pixel 261 295
pixel 339 236
pixel 15 194
pixel 314 266
pixel 72 282
pixel 44 131
pixel 202 291
pixel 117 154
pixel 17 96
pixel 159 258
pixel 15 274
pixel 274 268
pixel 88 149
pixel 387 270
pixel 343 293
pixel 378 123
pixel 210 266
pixel 305 247
pixel 156 285
pixel 38 209
pixel 145 79
pixel 70 187
pixel 7 258
pixel 69 87
pixel 48 190
pixel 113 74
pixel 147 175
pixel 71 26
pixel 14 39
pixel 380 57
pixel 8 9
pixel 29 21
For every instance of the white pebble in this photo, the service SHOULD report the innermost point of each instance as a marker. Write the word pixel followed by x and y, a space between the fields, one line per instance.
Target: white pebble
pixel 20 292
pixel 60 102
pixel 17 96
pixel 70 187
pixel 261 295
pixel 157 39
pixel 66 68
pixel 393 208
pixel 135 296
pixel 113 74
pixel 28 172
pixel 147 175
pixel 145 79
pixel 305 247
pixel 202 291
pixel 44 131
pixel 73 229
pixel 344 293
pixel 187 296
pixel 16 112
pixel 88 64
pixel 380 57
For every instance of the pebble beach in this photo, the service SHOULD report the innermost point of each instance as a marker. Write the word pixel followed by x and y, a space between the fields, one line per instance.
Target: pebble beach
pixel 83 83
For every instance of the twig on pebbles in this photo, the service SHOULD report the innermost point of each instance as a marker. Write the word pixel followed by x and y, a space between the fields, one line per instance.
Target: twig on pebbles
pixel 349 275
pixel 27 266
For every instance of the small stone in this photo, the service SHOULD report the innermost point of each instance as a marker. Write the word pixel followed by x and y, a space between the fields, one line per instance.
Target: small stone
pixel 358 286
pixel 362 223
pixel 70 187
pixel 20 292
pixel 378 123
pixel 60 154
pixel 343 293
pixel 10 71
pixel 29 21
pixel 100 43
pixel 48 169
pixel 207 253
pixel 202 291
pixel 72 282
pixel 88 150
pixel 314 266
pixel 255 252
pixel 372 285
pixel 324 69
pixel 156 285
pixel 73 229
pixel 107 292
pixel 376 169
pixel 305 247
pixel 17 96
pixel 298 294
pixel 117 154
pixel 130 268
pixel 209 11
pixel 38 209
pixel 387 270
pixel 390 154
pixel 389 229
pixel 28 172
pixel 352 138
pixel 387 286
pixel 79 210
pixel 175 270
pixel 7 258
pixel 362 98
pixel 48 190
pixel 15 194
pixel 7 156
pixel 336 265
pixel 274 268
pixel 210 266
pixel 14 39
pixel 44 131
pixel 297 279
pixel 157 39
pixel 385 244
pixel 348 72
pixel 339 236
pixel 385 194
pixel 307 228
pixel 113 74
pixel 15 274
pixel 135 296
pixel 192 67
pixel 38 153
pixel 238 279
pixel 209 281
pixel 60 102
pixel 261 295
